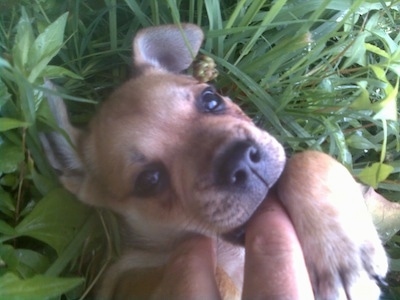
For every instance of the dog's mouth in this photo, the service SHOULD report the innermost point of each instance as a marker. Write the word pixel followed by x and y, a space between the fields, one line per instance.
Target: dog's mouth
pixel 236 236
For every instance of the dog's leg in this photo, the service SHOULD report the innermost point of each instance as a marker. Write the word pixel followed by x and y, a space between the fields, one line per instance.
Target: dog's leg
pixel 343 252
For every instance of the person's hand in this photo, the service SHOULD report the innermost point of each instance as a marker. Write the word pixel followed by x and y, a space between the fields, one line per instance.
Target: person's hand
pixel 190 272
pixel 274 265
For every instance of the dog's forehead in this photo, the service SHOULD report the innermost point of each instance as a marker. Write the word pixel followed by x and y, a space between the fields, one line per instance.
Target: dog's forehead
pixel 150 94
pixel 147 115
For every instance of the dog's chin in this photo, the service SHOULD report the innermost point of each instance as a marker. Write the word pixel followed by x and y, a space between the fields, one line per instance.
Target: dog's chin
pixel 236 236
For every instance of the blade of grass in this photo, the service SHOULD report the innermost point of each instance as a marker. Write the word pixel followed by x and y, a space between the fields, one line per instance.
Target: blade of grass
pixel 272 13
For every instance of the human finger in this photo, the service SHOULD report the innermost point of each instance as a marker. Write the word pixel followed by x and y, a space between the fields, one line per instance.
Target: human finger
pixel 190 272
pixel 274 265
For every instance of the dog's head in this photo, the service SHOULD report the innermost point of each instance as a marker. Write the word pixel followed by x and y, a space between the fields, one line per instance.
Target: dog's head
pixel 166 151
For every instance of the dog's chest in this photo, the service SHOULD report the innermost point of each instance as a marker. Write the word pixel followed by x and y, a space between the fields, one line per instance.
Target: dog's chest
pixel 231 260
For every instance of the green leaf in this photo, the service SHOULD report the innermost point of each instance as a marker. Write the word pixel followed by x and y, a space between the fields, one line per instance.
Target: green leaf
pixel 23 41
pixel 4 94
pixel 139 14
pixel 385 214
pixel 376 50
pixel 9 257
pixel 339 141
pixel 31 262
pixel 54 220
pixel 6 202
pixel 9 180
pixel 379 72
pixel 395 266
pixel 362 101
pixel 74 247
pixel 38 287
pixel 395 63
pixel 374 174
pixel 6 229
pixel 56 72
pixel 43 183
pixel 8 123
pixel 359 142
pixel 24 262
pixel 11 157
pixel 272 13
pixel 46 46
pixel 4 63
pixel 356 52
pixel 386 109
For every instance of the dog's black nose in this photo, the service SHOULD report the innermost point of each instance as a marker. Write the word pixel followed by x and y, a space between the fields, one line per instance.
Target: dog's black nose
pixel 240 164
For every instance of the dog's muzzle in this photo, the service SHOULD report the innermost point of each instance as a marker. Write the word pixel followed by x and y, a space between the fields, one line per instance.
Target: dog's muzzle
pixel 246 169
pixel 242 166
pixel 236 236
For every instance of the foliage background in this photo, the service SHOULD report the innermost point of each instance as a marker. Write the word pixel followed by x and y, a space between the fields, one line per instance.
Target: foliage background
pixel 317 74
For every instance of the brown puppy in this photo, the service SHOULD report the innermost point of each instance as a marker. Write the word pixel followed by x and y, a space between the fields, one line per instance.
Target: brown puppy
pixel 173 157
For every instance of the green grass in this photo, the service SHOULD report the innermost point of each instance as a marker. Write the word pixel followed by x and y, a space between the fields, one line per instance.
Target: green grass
pixel 317 74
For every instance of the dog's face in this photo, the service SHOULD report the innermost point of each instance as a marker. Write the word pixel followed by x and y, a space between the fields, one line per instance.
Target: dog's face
pixel 166 151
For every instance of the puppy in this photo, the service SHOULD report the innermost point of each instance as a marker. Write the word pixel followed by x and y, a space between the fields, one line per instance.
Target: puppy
pixel 173 157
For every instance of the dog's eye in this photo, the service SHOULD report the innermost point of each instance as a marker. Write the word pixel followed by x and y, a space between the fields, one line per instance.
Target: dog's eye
pixel 150 181
pixel 210 101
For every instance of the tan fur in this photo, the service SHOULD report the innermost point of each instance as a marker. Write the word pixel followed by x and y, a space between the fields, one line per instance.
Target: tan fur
pixel 328 211
pixel 157 117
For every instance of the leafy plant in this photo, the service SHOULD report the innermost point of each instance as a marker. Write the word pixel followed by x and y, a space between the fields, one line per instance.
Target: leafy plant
pixel 317 74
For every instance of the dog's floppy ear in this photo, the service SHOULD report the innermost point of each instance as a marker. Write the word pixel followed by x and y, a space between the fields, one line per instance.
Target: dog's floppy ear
pixel 60 145
pixel 169 47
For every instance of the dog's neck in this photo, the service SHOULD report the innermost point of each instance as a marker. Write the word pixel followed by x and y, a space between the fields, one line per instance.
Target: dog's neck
pixel 152 238
pixel 159 242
